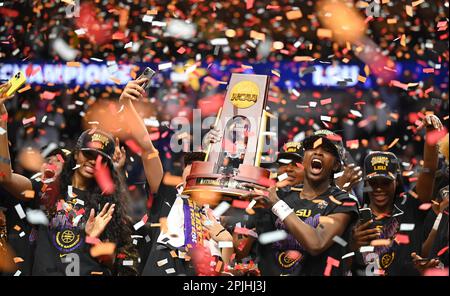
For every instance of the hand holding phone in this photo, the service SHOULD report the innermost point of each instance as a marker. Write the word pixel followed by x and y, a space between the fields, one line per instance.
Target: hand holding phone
pixel 148 73
pixel 365 215
pixel 16 82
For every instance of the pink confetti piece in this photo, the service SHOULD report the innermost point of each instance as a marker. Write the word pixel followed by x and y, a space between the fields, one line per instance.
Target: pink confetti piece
pixel 103 177
pixel 240 204
pixel 325 101
pixel 133 146
pixel 47 95
pixel 441 252
pixel 425 206
pixel 26 121
pixel 330 263
pixel 402 239
pixel 433 137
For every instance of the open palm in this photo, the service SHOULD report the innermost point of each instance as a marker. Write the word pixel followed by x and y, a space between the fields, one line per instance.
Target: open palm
pixel 97 224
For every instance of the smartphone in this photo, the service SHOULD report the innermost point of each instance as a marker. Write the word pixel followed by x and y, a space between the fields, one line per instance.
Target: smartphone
pixel 365 215
pixel 16 82
pixel 149 73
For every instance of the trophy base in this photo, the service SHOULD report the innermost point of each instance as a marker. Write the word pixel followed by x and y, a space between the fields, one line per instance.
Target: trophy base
pixel 202 180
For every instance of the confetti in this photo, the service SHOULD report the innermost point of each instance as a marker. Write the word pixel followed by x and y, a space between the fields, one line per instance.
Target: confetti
pixel 317 143
pixel 381 242
pixel 20 211
pixel 221 209
pixel 36 217
pixel 407 227
pixel 225 244
pixel 273 236
pixel 339 240
pixel 402 239
pixel 293 14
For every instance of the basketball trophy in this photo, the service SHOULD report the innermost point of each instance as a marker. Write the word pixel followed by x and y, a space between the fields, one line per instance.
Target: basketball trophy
pixel 232 165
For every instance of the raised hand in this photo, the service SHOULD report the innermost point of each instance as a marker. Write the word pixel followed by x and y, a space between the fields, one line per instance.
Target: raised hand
pixel 97 224
pixel 352 176
pixel 431 122
pixel 119 156
pixel 213 136
pixel 363 234
pixel 133 90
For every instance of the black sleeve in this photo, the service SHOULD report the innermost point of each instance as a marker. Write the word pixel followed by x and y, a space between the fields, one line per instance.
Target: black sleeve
pixel 162 202
pixel 37 188
pixel 345 204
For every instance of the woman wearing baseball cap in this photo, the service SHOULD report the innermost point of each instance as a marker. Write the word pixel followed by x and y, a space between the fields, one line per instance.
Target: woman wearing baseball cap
pixel 394 225
pixel 312 218
pixel 89 210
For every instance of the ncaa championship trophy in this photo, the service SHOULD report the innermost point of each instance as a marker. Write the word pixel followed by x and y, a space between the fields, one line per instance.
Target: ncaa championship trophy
pixel 232 165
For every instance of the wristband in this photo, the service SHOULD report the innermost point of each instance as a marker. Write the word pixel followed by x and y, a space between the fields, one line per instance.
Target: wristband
pixel 437 221
pixel 281 210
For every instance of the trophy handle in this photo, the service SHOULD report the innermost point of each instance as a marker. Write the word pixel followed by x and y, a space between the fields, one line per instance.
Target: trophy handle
pixel 208 150
pixel 262 133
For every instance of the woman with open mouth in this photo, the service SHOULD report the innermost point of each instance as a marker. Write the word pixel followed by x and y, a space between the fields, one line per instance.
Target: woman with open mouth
pixel 317 220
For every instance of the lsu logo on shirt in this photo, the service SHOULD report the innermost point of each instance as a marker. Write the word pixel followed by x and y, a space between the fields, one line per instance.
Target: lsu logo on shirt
pixel 303 213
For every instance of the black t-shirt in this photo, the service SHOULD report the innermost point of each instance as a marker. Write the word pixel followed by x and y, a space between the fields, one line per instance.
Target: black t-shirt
pixel 161 205
pixel 21 235
pixel 274 259
pixel 440 181
pixel 441 241
pixel 395 259
pixel 62 242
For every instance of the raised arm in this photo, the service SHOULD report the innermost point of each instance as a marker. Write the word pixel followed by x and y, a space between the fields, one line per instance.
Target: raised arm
pixel 13 183
pixel 425 182
pixel 314 240
pixel 150 156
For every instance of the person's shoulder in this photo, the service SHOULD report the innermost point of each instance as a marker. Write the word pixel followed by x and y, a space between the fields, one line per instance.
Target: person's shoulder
pixel 342 195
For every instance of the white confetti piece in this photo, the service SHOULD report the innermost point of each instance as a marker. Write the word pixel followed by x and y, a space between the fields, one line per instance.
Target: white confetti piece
pixel 138 225
pixel 97 60
pixel 312 104
pixel 127 263
pixel 282 177
pixel 18 272
pixel 20 211
pixel 22 234
pixel 356 113
pixel 170 270
pixel 36 217
pixel 227 244
pixel 159 24
pixel 165 66
pixel 219 41
pixel 285 161
pixel 162 262
pixel 407 227
pixel 2 131
pixel 339 240
pixel 147 239
pixel 251 205
pixel 128 45
pixel 221 209
pixel 81 31
pixel 147 18
pixel 77 220
pixel 272 236
pixel 366 249
pixel 325 118
pixel 76 167
pixel 348 255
